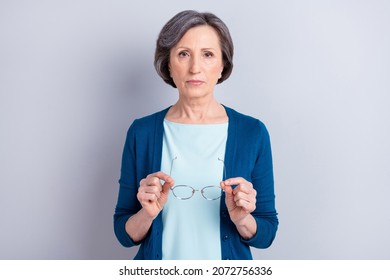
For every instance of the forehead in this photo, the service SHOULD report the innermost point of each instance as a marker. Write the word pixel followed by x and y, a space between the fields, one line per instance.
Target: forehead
pixel 203 36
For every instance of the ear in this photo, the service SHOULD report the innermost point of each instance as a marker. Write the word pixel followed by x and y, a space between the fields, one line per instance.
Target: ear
pixel 222 68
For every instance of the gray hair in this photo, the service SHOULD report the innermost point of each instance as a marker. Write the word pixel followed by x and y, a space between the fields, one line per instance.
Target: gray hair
pixel 175 29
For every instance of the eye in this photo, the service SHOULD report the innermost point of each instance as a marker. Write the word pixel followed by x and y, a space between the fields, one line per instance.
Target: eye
pixel 183 54
pixel 208 54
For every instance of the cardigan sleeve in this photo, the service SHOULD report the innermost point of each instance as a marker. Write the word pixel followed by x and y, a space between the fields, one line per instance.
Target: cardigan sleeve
pixel 263 181
pixel 127 203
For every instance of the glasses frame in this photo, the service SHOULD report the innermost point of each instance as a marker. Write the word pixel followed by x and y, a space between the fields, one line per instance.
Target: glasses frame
pixel 202 190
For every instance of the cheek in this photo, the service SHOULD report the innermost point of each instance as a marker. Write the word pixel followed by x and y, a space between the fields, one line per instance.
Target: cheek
pixel 175 69
pixel 217 71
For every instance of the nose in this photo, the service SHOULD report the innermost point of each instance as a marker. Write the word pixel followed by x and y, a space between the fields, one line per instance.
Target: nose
pixel 195 64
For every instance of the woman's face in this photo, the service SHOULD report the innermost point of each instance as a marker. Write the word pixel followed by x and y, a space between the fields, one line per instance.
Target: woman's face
pixel 196 62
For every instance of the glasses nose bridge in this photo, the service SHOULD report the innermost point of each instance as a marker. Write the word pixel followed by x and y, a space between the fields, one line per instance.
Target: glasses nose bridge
pixel 201 190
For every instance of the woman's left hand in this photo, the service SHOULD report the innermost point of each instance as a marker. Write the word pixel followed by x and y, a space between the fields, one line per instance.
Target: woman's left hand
pixel 240 201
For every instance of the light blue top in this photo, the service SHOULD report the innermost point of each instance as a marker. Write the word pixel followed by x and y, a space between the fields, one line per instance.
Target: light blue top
pixel 191 227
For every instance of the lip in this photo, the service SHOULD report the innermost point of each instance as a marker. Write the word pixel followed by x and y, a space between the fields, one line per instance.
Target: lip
pixel 195 82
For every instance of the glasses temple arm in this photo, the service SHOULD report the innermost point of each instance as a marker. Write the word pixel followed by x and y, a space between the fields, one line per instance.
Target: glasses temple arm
pixel 224 168
pixel 170 171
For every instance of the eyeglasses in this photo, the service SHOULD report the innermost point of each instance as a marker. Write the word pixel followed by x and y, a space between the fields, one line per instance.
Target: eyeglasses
pixel 184 192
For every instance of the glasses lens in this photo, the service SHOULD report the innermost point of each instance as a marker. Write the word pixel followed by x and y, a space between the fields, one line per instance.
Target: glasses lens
pixel 182 192
pixel 212 192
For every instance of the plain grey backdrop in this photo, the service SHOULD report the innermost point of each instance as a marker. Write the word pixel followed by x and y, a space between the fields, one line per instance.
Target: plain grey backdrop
pixel 75 74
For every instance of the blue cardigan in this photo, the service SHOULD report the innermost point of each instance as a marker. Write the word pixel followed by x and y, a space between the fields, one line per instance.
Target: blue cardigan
pixel 248 155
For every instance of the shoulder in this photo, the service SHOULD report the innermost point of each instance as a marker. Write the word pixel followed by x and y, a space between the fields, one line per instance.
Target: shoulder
pixel 245 123
pixel 148 124
pixel 151 119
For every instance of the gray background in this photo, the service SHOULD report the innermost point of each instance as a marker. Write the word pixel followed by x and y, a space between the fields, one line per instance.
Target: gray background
pixel 74 75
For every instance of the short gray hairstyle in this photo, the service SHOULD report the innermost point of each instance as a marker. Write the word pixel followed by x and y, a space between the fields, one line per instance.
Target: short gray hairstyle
pixel 175 29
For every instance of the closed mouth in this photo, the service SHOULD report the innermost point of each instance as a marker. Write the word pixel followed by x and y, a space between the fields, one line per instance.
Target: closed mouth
pixel 195 82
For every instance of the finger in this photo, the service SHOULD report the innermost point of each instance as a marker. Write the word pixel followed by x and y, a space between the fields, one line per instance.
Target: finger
pixel 241 195
pixel 245 188
pixel 143 182
pixel 245 191
pixel 146 197
pixel 246 205
pixel 161 176
pixel 235 181
pixel 240 198
pixel 229 198
pixel 151 189
pixel 245 201
pixel 167 186
pixel 226 188
pixel 153 181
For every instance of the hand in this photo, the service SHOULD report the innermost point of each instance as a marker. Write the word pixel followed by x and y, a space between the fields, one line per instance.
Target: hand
pixel 152 194
pixel 240 201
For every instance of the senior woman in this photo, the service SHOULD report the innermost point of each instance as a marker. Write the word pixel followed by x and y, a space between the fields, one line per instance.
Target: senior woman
pixel 196 179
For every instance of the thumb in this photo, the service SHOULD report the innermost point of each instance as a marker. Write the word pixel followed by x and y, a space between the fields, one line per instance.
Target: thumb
pixel 228 192
pixel 229 197
pixel 165 192
pixel 167 186
pixel 226 188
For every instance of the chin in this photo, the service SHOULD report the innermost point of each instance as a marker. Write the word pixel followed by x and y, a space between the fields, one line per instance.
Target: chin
pixel 196 92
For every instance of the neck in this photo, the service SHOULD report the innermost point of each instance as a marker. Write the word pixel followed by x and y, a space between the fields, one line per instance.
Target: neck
pixel 206 112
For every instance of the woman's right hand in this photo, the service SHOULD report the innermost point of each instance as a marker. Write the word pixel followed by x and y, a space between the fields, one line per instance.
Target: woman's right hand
pixel 152 194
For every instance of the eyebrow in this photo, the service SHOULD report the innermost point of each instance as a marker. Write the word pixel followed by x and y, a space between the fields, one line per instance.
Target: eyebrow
pixel 187 48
